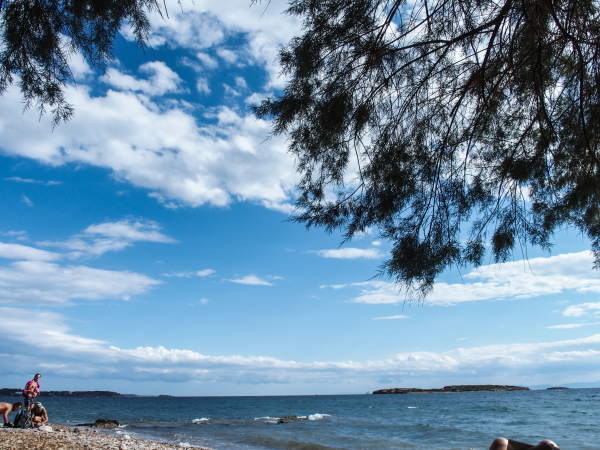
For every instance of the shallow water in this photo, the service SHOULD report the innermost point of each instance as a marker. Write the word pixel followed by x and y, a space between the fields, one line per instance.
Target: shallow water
pixel 469 420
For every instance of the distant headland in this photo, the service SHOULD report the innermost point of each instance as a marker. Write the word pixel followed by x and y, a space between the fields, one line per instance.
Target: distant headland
pixel 17 392
pixel 445 389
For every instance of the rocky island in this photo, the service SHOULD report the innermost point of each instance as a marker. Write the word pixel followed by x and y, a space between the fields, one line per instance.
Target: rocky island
pixel 459 388
pixel 17 392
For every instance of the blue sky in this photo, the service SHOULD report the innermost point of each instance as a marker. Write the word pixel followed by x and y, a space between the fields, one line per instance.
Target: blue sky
pixel 144 247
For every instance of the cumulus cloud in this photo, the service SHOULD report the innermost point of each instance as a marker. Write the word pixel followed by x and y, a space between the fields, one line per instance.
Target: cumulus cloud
pixel 159 148
pixel 110 237
pixel 161 79
pixel 23 252
pixel 75 356
pixel 133 230
pixel 514 280
pixel 189 274
pixel 351 253
pixel 252 280
pixel 205 273
pixel 37 282
pixel 582 309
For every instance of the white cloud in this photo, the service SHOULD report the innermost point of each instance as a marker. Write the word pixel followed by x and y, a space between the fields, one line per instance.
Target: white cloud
pixel 390 317
pixel 22 252
pixel 227 55
pixel 252 280
pixel 241 83
pixel 27 201
pixel 159 148
pixel 202 85
pixel 229 91
pixel 376 243
pixel 161 79
pixel 568 326
pixel 205 273
pixel 514 280
pixel 80 248
pixel 209 62
pixel 37 282
pixel 32 181
pixel 189 274
pixel 350 253
pixel 69 355
pixel 582 309
pixel 131 230
pixel 110 236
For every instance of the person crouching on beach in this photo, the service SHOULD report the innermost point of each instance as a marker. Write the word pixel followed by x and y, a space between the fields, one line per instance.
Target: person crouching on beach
pixel 508 444
pixel 38 415
pixel 5 408
pixel 31 391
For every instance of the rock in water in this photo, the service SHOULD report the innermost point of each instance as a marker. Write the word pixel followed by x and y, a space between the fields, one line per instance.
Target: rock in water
pixel 101 423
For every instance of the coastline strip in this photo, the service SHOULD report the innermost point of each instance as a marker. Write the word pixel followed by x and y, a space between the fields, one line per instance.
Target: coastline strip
pixel 67 438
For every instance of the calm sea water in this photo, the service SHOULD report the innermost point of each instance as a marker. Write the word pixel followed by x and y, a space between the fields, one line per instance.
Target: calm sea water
pixel 457 421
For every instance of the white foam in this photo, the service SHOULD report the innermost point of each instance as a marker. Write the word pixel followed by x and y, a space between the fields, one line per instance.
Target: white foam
pixel 204 419
pixel 412 407
pixel 302 417
pixel 266 418
pixel 184 444
pixel 318 416
pixel 126 436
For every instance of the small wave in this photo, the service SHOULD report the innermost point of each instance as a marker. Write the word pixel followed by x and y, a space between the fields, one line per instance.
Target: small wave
pixel 204 419
pixel 302 417
pixel 412 407
pixel 318 416
pixel 185 444
pixel 266 418
pixel 122 426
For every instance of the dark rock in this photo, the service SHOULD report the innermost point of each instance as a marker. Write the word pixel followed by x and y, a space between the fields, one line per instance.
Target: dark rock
pixel 101 423
pixel 287 419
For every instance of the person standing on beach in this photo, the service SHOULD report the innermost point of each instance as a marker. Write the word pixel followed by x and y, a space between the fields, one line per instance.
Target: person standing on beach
pixel 5 408
pixel 31 391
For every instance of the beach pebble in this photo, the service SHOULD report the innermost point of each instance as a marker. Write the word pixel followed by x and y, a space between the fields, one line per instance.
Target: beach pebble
pixel 69 438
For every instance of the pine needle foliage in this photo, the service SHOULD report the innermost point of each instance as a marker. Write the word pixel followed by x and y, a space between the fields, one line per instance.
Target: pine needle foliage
pixel 38 37
pixel 456 128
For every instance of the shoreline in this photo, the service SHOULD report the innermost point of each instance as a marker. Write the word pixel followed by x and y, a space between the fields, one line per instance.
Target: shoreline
pixel 68 438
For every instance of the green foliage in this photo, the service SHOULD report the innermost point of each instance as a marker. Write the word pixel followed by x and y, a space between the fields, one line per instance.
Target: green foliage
pixel 450 126
pixel 40 36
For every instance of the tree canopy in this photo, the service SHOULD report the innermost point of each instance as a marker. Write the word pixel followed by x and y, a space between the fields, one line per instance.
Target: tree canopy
pixel 453 127
pixel 39 37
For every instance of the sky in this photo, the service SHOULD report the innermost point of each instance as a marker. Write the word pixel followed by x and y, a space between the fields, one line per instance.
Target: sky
pixel 145 246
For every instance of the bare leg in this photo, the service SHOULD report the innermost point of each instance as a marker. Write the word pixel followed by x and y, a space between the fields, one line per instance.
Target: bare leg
pixel 499 444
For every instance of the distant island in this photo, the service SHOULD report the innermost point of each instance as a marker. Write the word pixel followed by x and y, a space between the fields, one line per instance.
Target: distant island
pixel 445 389
pixel 17 392
pixel 558 387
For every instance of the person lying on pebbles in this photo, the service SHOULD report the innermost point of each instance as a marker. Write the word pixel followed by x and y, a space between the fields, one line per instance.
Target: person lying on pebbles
pixel 67 438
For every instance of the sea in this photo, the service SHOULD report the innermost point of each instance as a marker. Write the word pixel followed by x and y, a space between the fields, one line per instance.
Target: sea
pixel 445 421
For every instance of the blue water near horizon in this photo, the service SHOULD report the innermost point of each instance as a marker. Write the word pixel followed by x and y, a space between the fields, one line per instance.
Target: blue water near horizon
pixel 452 421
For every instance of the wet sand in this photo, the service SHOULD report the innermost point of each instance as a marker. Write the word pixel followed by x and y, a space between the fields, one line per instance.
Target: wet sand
pixel 66 438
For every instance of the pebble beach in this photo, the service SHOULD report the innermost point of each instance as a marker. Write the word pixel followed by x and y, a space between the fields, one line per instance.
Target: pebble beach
pixel 67 438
